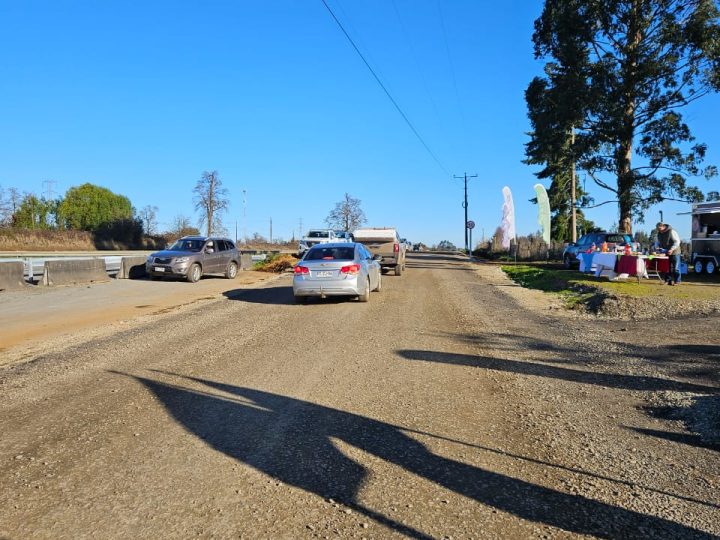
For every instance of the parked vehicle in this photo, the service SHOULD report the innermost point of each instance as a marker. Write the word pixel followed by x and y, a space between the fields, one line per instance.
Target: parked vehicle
pixel 321 236
pixel 193 256
pixel 586 241
pixel 337 269
pixel 705 241
pixel 384 241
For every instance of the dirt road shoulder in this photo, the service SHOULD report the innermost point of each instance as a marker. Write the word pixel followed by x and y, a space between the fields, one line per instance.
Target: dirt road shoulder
pixel 40 317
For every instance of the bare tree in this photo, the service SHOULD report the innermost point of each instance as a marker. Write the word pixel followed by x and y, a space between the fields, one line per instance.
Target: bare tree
pixel 347 215
pixel 211 199
pixel 148 215
pixel 181 226
pixel 5 211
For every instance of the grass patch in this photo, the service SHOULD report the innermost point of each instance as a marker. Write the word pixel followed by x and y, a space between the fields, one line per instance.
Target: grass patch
pixel 577 288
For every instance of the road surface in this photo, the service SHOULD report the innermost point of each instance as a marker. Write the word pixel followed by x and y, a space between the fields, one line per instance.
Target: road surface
pixel 452 405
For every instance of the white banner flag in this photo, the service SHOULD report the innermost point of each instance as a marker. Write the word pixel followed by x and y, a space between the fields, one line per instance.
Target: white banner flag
pixel 508 220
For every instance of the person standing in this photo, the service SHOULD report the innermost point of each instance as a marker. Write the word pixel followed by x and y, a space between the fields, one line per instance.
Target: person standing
pixel 669 240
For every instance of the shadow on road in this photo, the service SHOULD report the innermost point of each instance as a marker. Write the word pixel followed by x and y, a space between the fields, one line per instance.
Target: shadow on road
pixel 683 438
pixel 263 295
pixel 292 440
pixel 609 380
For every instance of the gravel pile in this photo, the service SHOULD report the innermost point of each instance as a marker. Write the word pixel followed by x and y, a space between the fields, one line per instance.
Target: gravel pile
pixel 610 306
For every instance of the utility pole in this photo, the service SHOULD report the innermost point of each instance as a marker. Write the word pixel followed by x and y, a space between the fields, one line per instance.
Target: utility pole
pixel 245 238
pixel 271 230
pixel 572 184
pixel 465 206
pixel 301 233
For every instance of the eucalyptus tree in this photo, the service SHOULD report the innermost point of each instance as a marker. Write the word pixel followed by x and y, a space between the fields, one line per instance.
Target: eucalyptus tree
pixel 618 74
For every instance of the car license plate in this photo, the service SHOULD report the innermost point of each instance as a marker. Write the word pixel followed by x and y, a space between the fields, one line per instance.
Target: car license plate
pixel 159 269
pixel 324 273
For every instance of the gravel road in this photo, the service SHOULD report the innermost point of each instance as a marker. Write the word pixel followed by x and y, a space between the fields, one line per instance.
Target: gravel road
pixel 453 405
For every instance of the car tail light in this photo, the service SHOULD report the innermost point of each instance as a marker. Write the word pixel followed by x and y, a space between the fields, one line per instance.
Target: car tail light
pixel 352 269
pixel 396 248
pixel 299 270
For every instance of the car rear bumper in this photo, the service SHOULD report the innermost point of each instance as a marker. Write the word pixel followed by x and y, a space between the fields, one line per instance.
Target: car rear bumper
pixel 321 288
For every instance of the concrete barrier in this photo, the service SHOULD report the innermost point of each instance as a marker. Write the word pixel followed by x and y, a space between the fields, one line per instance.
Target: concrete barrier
pixel 132 267
pixel 74 271
pixel 12 276
pixel 246 261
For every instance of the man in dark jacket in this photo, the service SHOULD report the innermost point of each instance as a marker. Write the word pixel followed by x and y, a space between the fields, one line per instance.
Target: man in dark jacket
pixel 669 240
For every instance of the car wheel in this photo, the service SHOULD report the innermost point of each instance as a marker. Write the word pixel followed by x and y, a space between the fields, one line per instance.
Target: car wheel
pixel 231 270
pixel 379 285
pixel 699 267
pixel 398 270
pixel 710 267
pixel 365 296
pixel 194 274
pixel 567 262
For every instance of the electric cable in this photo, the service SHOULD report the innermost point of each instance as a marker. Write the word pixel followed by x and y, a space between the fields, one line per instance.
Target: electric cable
pixel 387 93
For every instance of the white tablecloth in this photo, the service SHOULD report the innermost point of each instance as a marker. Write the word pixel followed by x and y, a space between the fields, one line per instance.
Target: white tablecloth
pixel 604 264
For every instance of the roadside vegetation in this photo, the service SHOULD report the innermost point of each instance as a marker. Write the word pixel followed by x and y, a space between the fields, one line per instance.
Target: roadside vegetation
pixel 277 263
pixel 578 290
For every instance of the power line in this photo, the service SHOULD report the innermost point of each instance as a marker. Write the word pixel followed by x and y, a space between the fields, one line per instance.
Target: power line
pixel 387 93
pixel 452 72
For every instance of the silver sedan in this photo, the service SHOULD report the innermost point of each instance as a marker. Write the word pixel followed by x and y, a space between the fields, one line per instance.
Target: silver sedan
pixel 338 269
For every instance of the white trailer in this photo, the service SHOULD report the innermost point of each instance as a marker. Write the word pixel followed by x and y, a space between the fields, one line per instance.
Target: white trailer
pixel 705 241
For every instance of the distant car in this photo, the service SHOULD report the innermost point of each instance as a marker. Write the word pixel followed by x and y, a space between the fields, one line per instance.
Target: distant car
pixel 337 269
pixel 193 256
pixel 321 236
pixel 586 241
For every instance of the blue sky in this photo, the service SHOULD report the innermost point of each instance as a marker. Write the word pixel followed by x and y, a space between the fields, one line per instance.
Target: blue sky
pixel 142 97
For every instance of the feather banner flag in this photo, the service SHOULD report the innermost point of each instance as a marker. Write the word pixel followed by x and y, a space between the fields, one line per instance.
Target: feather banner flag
pixel 543 211
pixel 508 220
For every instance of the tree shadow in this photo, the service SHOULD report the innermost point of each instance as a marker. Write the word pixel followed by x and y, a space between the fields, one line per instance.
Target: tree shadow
pixel 687 361
pixel 683 438
pixel 608 380
pixel 292 440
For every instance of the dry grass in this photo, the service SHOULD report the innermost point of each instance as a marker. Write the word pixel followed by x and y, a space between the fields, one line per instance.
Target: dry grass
pixel 278 264
pixel 25 240
pixel 29 240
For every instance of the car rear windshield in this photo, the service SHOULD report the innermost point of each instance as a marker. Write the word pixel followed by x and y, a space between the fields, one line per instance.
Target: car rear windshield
pixel 331 254
pixel 318 234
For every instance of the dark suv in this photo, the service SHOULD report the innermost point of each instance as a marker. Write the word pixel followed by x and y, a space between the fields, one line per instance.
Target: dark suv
pixel 587 240
pixel 192 256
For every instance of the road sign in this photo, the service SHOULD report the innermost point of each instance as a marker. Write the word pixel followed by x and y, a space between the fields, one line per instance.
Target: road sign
pixel 470 224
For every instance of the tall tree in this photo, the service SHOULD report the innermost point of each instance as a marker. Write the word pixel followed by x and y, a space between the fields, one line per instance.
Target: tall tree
pixel 347 215
pixel 619 73
pixel 211 199
pixel 148 216
pixel 35 213
pixel 88 207
pixel 5 209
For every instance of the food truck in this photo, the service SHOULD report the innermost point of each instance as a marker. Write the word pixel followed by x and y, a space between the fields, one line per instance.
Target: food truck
pixel 705 241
